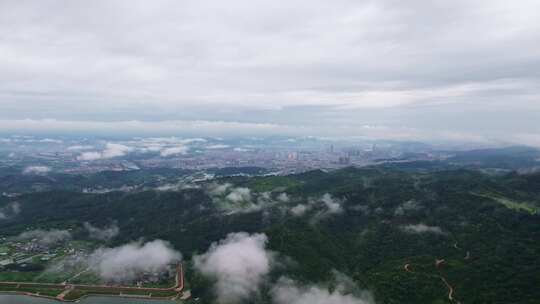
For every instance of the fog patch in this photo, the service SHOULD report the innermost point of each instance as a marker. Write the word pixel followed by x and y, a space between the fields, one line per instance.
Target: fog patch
pixel 345 291
pixel 422 228
pixel 240 194
pixel 283 197
pixel 364 209
pixel 215 189
pixel 80 147
pixel 10 210
pixel 332 204
pixel 38 170
pixel 170 151
pixel 237 199
pixel 326 205
pixel 407 207
pixel 46 237
pixel 239 263
pixel 300 209
pixel 217 147
pixel 126 262
pixel 233 199
pixel 105 233
pixel 111 151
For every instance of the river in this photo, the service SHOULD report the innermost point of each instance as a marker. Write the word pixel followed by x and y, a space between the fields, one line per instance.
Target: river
pixel 19 299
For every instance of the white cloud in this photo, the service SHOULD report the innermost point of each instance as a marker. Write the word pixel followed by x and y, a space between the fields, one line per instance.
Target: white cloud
pixel 174 151
pixel 239 149
pixel 88 156
pixel 105 233
pixel 50 140
pixel 80 147
pixel 238 199
pixel 332 204
pixel 287 291
pixel 283 197
pixel 300 209
pixel 218 189
pixel 238 195
pixel 36 170
pixel 111 150
pixel 10 210
pixel 217 147
pixel 422 228
pixel 239 263
pixel 407 207
pixel 328 205
pixel 123 263
pixel 46 237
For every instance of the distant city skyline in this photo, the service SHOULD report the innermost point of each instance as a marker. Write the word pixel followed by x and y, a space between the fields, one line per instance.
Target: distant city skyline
pixel 460 71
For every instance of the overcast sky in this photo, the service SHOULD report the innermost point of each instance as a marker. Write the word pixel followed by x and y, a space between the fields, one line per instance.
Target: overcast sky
pixel 457 70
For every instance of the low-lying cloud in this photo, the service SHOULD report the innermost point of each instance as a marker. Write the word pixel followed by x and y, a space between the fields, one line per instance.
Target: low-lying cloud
pixel 422 228
pixel 407 207
pixel 242 199
pixel 10 210
pixel 327 205
pixel 174 151
pixel 46 237
pixel 287 291
pixel 239 263
pixel 36 170
pixel 332 204
pixel 237 199
pixel 104 234
pixel 111 151
pixel 79 147
pixel 238 195
pixel 217 147
pixel 124 263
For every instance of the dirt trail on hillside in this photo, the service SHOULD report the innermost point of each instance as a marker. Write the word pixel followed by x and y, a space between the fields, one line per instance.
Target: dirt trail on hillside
pixel 439 263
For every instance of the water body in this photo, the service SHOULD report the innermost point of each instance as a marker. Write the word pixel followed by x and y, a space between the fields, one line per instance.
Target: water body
pixel 19 299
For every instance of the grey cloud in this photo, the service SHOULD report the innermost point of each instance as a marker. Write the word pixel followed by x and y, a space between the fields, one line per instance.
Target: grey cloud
pixel 246 62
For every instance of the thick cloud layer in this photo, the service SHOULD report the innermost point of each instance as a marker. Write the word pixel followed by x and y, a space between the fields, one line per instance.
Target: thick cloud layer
pixel 239 263
pixel 385 69
pixel 123 263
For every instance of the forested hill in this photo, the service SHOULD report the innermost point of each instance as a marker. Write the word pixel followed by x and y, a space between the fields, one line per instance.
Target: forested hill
pixel 384 227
